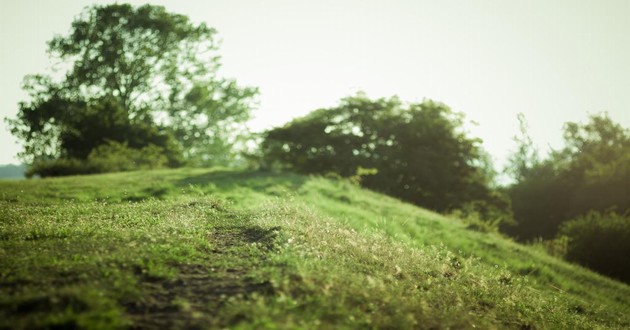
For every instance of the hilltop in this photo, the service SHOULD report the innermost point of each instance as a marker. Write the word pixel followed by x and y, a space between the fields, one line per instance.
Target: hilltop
pixel 197 248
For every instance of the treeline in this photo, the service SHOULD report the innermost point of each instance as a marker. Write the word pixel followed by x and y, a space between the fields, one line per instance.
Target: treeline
pixel 577 199
pixel 590 173
pixel 142 90
pixel 10 171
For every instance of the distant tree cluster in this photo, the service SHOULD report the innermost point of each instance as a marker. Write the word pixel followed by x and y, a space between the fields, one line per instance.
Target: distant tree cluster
pixel 141 77
pixel 590 173
pixel 419 152
pixel 579 194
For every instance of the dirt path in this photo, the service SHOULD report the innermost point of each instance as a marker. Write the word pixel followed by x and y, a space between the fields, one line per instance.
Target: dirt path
pixel 194 298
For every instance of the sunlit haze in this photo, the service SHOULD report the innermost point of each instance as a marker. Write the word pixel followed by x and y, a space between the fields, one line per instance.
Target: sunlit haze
pixel 554 61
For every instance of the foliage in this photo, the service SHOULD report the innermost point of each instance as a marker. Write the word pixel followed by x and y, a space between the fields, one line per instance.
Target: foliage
pixel 556 247
pixel 116 157
pixel 419 151
pixel 592 172
pixel 474 220
pixel 600 241
pixel 59 167
pixel 200 248
pixel 109 157
pixel 136 75
pixel 525 158
pixel 360 174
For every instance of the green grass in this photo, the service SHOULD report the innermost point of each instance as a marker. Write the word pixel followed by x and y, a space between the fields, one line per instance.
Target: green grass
pixel 196 248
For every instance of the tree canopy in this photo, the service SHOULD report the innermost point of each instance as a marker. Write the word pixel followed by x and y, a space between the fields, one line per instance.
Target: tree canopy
pixel 136 75
pixel 420 151
pixel 590 173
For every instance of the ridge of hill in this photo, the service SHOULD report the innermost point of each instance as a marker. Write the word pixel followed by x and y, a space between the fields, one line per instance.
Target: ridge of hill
pixel 214 248
pixel 12 171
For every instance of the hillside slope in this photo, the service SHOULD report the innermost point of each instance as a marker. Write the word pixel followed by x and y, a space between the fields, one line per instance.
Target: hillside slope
pixel 199 248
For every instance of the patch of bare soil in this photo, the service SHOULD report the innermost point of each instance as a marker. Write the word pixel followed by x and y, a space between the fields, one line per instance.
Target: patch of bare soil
pixel 194 298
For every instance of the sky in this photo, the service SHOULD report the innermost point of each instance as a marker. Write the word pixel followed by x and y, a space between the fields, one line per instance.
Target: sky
pixel 554 61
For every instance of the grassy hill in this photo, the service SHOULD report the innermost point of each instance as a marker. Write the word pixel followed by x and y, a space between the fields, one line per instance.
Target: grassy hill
pixel 198 248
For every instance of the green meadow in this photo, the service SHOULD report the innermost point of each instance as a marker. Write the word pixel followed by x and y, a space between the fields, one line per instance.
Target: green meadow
pixel 217 248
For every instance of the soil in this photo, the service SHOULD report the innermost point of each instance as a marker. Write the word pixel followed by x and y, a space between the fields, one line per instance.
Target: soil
pixel 194 298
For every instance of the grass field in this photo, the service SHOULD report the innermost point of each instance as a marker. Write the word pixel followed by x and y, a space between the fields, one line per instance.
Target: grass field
pixel 199 248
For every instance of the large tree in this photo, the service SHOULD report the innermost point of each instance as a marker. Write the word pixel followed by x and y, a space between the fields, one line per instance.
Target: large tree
pixel 420 151
pixel 131 69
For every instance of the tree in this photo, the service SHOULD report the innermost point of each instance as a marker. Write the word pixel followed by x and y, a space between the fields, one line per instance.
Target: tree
pixel 525 158
pixel 135 70
pixel 590 173
pixel 420 151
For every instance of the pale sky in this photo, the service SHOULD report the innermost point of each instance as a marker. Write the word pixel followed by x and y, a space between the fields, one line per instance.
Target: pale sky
pixel 555 61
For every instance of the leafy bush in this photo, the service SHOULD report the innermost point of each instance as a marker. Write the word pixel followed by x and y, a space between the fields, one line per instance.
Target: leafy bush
pixel 480 216
pixel 59 167
pixel 600 241
pixel 360 174
pixel 115 157
pixel 556 247
pixel 109 157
